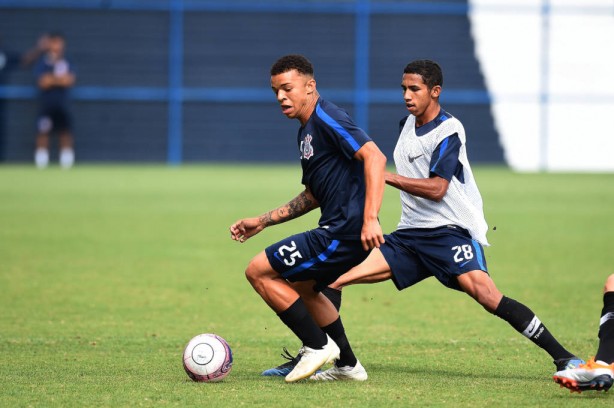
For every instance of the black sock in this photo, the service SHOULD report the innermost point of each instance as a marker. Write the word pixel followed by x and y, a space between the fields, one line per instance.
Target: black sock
pixel 334 295
pixel 336 332
pixel 605 352
pixel 525 322
pixel 298 319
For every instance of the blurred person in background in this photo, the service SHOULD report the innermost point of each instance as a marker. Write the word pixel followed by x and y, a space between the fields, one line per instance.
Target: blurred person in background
pixel 54 78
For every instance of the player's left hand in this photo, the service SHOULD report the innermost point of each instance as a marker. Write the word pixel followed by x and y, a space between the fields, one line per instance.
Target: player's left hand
pixel 371 235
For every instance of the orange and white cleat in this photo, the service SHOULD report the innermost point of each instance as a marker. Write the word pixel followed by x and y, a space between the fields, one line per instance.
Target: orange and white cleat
pixel 592 376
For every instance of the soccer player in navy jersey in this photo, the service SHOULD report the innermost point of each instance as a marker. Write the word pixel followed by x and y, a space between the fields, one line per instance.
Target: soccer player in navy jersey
pixel 598 373
pixel 442 227
pixel 343 175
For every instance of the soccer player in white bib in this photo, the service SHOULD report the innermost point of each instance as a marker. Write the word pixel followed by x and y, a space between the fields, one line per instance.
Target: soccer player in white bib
pixel 442 229
pixel 598 373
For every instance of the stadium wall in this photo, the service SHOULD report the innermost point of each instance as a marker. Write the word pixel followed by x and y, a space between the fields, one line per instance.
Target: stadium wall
pixel 547 65
pixel 187 81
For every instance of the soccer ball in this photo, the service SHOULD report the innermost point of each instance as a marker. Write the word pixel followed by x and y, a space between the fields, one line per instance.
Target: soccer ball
pixel 207 358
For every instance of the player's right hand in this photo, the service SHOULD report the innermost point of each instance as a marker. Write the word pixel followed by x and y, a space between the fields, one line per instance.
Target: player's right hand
pixel 371 235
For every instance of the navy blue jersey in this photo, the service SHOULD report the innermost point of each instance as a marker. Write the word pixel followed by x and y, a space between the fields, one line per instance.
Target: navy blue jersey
pixel 327 143
pixel 56 96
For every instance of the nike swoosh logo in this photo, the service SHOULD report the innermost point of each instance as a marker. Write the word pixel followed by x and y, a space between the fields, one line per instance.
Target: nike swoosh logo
pixel 411 159
pixel 464 263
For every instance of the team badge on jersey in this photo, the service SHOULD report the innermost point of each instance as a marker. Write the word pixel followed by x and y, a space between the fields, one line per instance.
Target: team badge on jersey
pixel 306 147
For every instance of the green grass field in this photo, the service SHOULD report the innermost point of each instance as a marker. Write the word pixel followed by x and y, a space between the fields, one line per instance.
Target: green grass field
pixel 107 271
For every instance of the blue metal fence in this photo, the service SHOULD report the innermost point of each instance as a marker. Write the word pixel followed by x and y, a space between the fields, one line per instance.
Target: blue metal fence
pixel 176 94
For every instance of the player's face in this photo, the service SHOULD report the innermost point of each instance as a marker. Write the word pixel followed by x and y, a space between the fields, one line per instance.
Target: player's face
pixel 419 99
pixel 295 93
pixel 55 48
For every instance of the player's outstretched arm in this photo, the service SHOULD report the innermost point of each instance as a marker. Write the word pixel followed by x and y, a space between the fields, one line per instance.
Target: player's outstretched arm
pixel 29 57
pixel 432 188
pixel 299 205
pixel 374 161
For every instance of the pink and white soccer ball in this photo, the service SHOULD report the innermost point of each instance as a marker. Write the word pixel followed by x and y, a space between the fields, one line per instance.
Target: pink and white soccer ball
pixel 207 358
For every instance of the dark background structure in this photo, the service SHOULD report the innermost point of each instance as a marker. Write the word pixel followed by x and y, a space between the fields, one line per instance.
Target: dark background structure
pixel 183 81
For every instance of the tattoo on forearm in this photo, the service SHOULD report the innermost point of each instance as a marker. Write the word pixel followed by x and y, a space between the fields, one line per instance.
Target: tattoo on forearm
pixel 300 205
pixel 266 219
pixel 295 208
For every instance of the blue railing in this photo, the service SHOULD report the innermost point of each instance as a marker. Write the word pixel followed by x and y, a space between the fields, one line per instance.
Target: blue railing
pixel 175 94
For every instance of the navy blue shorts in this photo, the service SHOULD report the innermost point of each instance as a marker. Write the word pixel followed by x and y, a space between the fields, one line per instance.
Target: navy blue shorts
pixel 445 253
pixel 314 255
pixel 54 119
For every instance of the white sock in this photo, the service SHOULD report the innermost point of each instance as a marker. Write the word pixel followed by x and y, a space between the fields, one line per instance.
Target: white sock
pixel 67 157
pixel 41 158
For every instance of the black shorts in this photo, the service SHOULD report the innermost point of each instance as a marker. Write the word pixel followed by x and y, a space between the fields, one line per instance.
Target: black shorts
pixel 445 253
pixel 314 255
pixel 56 119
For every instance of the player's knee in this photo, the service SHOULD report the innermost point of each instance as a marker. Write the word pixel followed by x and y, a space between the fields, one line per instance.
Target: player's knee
pixel 259 272
pixel 489 299
pixel 609 284
pixel 480 286
pixel 253 273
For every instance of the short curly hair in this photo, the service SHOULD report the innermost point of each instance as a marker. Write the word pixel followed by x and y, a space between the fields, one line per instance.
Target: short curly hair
pixel 290 62
pixel 429 70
